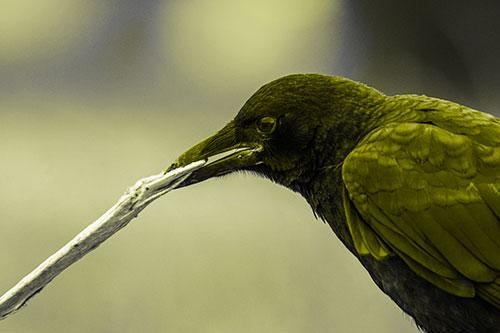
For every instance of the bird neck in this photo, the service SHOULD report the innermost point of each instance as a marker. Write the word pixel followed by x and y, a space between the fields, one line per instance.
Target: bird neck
pixel 322 186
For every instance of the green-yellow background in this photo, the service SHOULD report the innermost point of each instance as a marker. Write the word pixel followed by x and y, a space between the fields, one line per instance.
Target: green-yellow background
pixel 97 94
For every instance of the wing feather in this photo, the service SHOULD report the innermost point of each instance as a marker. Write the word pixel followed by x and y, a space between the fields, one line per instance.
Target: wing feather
pixel 458 286
pixel 364 238
pixel 431 195
pixel 490 292
pixel 491 195
pixel 416 248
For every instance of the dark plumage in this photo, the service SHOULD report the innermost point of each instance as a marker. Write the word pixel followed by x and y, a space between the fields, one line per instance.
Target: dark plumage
pixel 410 184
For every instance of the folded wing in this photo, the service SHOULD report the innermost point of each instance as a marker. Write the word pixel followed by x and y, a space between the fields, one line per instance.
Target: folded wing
pixel 431 195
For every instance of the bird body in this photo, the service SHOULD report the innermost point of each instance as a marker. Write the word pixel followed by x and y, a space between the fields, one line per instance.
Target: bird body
pixel 410 184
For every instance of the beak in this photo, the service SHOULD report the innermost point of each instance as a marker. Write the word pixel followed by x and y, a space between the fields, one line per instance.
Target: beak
pixel 223 154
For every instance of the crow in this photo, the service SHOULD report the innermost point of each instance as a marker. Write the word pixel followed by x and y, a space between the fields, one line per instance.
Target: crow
pixel 410 184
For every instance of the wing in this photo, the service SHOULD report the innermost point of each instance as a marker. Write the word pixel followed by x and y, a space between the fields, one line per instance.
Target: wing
pixel 432 197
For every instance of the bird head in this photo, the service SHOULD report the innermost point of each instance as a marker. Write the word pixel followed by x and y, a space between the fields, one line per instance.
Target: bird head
pixel 281 131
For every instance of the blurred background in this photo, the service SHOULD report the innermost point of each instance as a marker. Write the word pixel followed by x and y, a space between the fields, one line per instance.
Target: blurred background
pixel 97 94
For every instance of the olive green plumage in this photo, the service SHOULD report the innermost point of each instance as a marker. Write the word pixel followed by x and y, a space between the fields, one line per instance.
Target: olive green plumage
pixel 410 184
pixel 424 193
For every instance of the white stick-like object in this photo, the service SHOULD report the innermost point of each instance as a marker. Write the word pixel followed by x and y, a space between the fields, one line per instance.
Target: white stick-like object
pixel 130 204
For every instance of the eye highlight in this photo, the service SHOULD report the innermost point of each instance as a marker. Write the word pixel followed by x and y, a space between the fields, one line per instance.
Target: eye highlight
pixel 266 125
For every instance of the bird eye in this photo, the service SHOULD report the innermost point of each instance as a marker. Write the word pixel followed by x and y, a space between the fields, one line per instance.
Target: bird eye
pixel 266 124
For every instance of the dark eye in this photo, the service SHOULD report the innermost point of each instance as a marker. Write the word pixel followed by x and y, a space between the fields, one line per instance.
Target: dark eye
pixel 266 124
